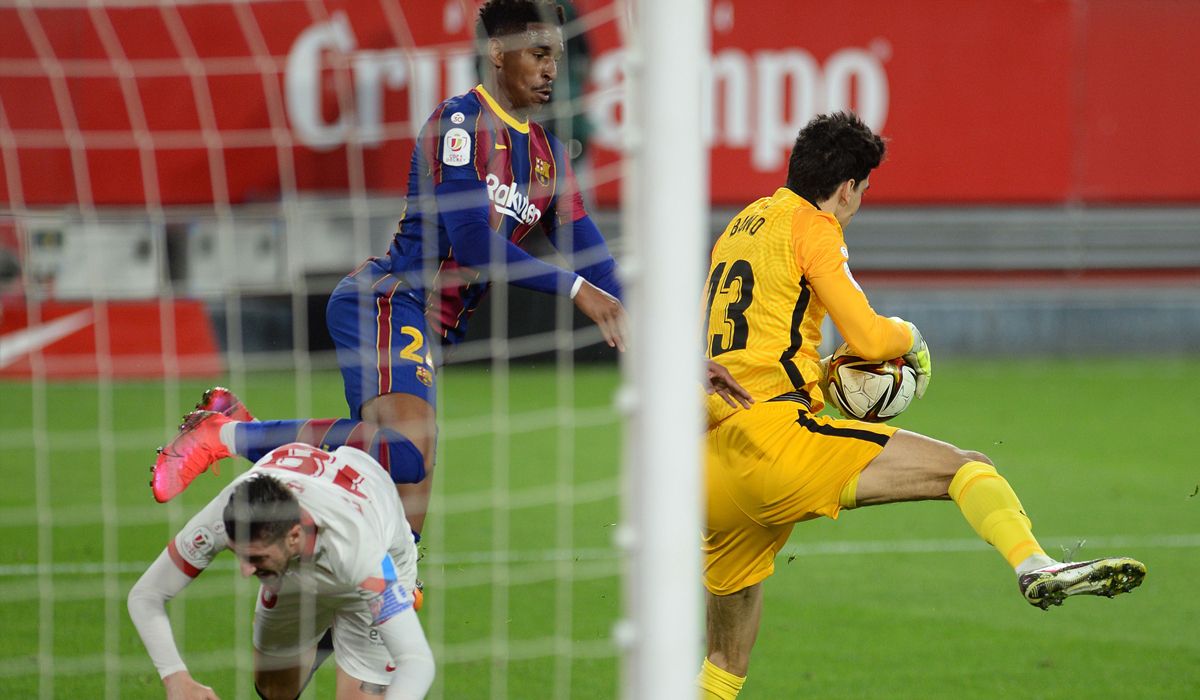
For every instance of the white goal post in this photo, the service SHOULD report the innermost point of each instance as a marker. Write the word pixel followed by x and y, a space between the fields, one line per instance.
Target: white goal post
pixel 665 215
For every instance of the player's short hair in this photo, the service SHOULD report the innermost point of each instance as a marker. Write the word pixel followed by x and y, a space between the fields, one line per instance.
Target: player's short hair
pixel 499 18
pixel 831 149
pixel 260 509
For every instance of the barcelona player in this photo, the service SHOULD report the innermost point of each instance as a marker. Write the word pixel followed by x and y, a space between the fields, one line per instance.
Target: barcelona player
pixel 777 270
pixel 483 177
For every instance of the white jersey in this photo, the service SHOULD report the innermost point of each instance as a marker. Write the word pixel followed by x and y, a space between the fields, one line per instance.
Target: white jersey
pixel 359 540
pixel 357 571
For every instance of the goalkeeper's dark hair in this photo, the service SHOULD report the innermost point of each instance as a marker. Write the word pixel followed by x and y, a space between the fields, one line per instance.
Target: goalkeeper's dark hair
pixel 831 149
pixel 260 509
pixel 499 18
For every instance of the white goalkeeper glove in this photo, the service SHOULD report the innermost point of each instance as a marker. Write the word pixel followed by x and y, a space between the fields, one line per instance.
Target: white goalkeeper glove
pixel 918 358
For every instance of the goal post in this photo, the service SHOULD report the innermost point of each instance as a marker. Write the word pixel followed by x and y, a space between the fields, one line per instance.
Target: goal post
pixel 665 210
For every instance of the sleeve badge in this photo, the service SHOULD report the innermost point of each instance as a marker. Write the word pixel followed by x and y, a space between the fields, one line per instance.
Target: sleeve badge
pixel 456 147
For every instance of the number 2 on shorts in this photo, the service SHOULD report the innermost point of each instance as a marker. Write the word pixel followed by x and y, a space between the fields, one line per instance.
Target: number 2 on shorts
pixel 412 351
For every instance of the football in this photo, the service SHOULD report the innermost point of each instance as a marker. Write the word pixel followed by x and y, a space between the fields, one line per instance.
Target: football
pixel 867 390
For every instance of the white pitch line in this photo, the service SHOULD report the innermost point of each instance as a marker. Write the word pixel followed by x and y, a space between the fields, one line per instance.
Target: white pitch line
pixel 933 546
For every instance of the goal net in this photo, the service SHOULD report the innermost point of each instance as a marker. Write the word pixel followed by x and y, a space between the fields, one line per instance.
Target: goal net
pixel 183 184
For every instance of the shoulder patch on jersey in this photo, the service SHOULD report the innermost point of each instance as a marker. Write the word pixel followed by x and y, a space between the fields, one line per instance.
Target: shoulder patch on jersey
pixel 846 268
pixel 457 118
pixel 456 147
pixel 197 543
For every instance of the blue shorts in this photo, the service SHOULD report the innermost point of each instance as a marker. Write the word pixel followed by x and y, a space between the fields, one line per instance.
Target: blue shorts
pixel 382 341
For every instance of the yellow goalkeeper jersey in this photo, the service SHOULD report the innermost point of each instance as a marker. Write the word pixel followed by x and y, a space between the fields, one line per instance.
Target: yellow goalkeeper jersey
pixel 777 269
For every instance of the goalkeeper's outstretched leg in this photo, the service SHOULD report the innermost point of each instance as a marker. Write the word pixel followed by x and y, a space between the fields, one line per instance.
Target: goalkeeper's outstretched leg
pixel 915 467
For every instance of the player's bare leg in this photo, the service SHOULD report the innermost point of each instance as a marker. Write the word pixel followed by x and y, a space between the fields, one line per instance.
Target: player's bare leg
pixel 279 677
pixel 732 626
pixel 913 467
pixel 414 418
pixel 351 688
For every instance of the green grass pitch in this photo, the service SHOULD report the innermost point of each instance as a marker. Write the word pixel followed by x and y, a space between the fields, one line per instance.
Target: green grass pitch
pixel 892 602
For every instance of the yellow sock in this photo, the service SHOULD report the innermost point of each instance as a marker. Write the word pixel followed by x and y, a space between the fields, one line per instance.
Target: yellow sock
pixel 991 507
pixel 717 683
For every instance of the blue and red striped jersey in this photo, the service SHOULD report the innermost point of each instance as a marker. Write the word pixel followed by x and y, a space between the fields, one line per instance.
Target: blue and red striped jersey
pixel 469 139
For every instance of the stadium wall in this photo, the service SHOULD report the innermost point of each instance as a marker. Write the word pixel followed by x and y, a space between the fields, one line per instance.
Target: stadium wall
pixel 997 282
pixel 1006 101
pixel 162 140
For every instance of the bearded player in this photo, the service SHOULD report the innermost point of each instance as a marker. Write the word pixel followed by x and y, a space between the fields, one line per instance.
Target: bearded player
pixel 326 537
pixel 778 269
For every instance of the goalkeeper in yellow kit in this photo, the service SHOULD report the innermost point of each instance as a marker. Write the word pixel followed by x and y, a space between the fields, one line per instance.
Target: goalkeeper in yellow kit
pixel 780 266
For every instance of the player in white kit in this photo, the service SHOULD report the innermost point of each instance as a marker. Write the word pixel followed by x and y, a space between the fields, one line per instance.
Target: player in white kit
pixel 326 536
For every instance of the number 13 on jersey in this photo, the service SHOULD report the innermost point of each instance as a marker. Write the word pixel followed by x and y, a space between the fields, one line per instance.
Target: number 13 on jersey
pixel 730 292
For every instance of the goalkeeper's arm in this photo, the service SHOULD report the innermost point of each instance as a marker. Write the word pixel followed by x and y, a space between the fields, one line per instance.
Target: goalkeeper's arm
pixel 871 336
pixel 147 608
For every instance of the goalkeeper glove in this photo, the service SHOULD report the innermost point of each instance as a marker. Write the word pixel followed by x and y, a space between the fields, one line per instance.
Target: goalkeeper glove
pixel 918 358
pixel 823 382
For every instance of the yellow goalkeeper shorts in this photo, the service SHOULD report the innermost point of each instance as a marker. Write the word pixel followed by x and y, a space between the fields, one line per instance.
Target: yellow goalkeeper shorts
pixel 767 468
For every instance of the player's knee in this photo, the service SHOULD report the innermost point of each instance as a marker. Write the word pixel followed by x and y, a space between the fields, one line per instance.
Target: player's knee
pixel 945 470
pixel 405 461
pixel 959 459
pixel 973 456
pixel 420 441
pixel 976 467
pixel 409 415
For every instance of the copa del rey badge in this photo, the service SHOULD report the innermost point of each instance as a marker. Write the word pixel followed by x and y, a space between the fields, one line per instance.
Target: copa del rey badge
pixel 456 147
